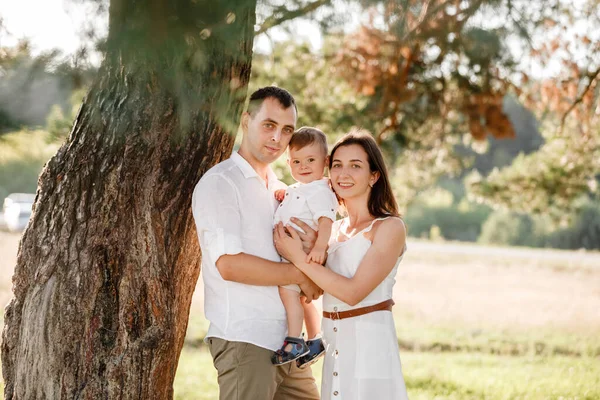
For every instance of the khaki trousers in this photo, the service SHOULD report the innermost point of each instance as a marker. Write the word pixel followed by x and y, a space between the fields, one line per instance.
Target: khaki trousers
pixel 245 372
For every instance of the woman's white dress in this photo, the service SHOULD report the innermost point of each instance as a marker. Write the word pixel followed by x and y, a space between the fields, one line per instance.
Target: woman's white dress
pixel 362 360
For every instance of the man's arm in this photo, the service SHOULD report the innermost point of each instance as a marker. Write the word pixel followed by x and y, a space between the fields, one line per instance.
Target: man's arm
pixel 252 270
pixel 218 223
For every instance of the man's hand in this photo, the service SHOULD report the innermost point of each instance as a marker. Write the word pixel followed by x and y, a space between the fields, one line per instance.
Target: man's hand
pixel 280 194
pixel 310 289
pixel 309 238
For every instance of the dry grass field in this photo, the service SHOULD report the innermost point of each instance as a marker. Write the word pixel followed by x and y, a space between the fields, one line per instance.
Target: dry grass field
pixel 473 323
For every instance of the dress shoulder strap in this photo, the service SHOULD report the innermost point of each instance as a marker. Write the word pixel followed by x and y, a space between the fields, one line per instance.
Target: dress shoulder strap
pixel 368 228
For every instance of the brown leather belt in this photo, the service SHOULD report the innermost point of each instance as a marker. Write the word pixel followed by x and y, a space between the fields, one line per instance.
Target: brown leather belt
pixel 383 306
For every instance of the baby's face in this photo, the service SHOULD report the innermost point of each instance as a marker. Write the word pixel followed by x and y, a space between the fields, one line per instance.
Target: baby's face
pixel 307 164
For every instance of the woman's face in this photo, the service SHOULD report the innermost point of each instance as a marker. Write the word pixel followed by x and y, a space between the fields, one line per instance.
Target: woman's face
pixel 350 173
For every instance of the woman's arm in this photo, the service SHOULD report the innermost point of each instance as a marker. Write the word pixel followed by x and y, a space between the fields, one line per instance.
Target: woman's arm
pixel 387 245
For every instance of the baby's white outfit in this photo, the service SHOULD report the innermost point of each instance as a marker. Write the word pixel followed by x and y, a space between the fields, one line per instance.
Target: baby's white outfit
pixel 308 202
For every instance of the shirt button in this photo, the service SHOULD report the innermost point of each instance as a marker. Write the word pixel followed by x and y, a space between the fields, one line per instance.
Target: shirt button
pixel 297 197
pixel 335 329
pixel 335 393
pixel 336 352
pixel 334 308
pixel 335 374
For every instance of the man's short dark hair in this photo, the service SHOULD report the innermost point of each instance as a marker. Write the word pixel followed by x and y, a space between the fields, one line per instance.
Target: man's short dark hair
pixel 283 96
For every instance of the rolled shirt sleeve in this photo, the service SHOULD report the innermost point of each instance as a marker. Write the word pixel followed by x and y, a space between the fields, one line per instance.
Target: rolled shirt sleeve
pixel 322 203
pixel 217 215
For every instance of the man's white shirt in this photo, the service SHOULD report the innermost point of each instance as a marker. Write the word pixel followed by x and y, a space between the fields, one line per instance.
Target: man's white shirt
pixel 233 209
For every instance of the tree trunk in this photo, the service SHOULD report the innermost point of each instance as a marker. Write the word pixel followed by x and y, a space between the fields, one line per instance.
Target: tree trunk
pixel 108 264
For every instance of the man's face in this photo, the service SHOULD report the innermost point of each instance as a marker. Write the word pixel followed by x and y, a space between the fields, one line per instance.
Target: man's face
pixel 268 132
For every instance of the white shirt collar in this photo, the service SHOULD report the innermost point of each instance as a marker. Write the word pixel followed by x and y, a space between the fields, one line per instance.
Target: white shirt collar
pixel 249 172
pixel 317 182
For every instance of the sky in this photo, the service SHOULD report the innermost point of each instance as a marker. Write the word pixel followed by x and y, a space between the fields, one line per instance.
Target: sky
pixel 52 24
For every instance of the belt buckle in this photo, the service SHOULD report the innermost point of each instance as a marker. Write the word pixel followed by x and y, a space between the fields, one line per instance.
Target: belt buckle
pixel 335 315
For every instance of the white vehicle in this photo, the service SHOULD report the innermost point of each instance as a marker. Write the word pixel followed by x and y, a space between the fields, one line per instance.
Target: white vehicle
pixel 17 211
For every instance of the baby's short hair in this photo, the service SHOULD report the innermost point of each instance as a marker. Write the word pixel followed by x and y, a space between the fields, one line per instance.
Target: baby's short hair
pixel 306 136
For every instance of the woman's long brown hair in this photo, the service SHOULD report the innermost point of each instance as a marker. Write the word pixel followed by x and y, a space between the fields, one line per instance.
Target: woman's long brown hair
pixel 381 199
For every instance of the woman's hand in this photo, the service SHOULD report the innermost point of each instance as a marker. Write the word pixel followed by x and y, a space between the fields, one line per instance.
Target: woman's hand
pixel 289 245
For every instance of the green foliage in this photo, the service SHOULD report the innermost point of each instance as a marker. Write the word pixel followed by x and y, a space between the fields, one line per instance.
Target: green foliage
pixel 31 85
pixel 545 182
pixel 583 233
pixel 22 156
pixel 481 46
pixel 58 124
pixel 456 222
pixel 7 123
pixel 323 98
pixel 510 229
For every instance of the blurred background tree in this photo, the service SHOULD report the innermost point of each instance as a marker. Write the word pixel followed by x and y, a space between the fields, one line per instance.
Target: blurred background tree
pixel 454 91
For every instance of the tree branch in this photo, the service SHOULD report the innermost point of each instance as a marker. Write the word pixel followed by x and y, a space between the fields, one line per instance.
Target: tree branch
pixel 592 76
pixel 291 14
pixel 429 13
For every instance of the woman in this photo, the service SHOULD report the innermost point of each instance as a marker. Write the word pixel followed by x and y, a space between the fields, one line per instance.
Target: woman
pixel 366 246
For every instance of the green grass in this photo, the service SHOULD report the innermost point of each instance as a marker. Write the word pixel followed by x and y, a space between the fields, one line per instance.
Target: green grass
pixel 417 336
pixel 486 376
pixel 452 362
pixel 459 376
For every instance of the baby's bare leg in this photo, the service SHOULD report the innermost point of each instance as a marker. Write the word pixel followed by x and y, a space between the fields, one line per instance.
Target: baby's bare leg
pixel 312 319
pixel 293 309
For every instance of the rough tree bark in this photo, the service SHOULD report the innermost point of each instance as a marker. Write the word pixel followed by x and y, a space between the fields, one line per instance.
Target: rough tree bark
pixel 108 264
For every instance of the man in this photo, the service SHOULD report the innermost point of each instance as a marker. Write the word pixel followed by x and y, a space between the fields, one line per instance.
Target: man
pixel 233 206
